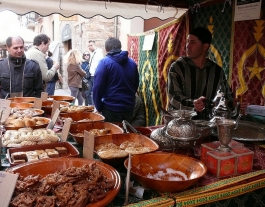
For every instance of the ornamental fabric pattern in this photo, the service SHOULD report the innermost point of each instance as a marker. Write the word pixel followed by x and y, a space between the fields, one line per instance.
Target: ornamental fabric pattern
pixel 218 19
pixel 153 65
pixel 248 77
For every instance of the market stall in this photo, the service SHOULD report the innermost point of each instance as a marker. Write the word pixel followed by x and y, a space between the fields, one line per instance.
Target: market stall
pixel 210 189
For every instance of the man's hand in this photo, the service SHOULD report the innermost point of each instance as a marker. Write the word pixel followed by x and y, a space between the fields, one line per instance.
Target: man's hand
pixel 199 103
pixel 56 65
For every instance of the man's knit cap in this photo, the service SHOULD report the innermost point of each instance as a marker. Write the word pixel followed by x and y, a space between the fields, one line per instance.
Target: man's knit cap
pixel 203 34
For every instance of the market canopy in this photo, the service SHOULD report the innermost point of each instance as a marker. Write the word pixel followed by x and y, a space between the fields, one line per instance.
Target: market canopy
pixel 162 9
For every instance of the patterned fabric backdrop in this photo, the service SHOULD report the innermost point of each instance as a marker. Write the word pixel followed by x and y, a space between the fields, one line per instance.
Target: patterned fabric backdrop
pixel 238 47
pixel 248 77
pixel 218 19
pixel 153 65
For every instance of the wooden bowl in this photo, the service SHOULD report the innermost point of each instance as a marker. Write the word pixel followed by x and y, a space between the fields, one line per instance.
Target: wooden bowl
pixel 77 116
pixel 47 105
pixel 143 130
pixel 79 128
pixel 47 166
pixel 62 98
pixel 23 99
pixel 119 139
pixel 46 120
pixel 144 168
pixel 21 105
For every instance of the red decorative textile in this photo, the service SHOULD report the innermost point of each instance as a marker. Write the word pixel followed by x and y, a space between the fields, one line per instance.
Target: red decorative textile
pixel 171 45
pixel 133 47
pixel 248 74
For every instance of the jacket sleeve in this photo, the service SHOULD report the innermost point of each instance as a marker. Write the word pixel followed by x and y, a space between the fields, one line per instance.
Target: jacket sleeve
pixel 47 75
pixel 80 71
pixel 138 113
pixel 38 86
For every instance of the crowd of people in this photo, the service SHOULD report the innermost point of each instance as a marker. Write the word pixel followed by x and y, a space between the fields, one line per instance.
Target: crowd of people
pixel 113 79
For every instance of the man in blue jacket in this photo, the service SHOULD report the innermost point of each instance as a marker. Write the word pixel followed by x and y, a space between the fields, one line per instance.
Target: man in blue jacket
pixel 116 81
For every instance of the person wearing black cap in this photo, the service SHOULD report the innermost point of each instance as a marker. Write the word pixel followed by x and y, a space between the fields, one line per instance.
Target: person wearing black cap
pixel 194 78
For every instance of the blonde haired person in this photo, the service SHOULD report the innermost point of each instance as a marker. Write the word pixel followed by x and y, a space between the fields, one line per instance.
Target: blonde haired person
pixel 73 59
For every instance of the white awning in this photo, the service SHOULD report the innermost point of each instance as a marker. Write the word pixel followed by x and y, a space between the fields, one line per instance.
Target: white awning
pixel 89 9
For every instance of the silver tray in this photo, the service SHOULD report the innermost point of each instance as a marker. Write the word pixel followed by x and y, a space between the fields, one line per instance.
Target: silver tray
pixel 249 131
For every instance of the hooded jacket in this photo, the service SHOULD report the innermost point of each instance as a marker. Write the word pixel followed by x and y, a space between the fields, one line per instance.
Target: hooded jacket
pixel 116 81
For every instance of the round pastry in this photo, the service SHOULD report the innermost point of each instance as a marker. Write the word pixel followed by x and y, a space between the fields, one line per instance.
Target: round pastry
pixel 30 122
pixel 64 109
pixel 18 123
pixel 40 122
pixel 112 153
pixel 127 144
pixel 137 150
pixel 105 146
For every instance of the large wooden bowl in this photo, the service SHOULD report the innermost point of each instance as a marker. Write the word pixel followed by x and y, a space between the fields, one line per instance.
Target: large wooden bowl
pixel 118 139
pixel 46 120
pixel 79 128
pixel 47 166
pixel 77 116
pixel 47 106
pixel 152 163
pixel 62 98
pixel 21 105
pixel 23 99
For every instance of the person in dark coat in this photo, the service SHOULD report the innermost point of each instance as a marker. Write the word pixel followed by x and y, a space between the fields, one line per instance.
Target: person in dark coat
pixel 50 88
pixel 116 81
pixel 139 118
pixel 19 76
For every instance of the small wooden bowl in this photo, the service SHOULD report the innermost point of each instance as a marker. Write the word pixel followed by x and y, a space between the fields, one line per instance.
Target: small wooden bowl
pixel 47 106
pixel 79 128
pixel 145 166
pixel 22 99
pixel 118 139
pixel 77 116
pixel 62 98
pixel 21 105
pixel 48 166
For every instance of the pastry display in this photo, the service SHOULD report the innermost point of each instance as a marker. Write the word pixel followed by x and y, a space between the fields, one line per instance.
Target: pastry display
pixel 111 150
pixel 72 109
pixel 33 155
pixel 26 112
pixel 95 132
pixel 28 136
pixel 75 186
pixel 26 121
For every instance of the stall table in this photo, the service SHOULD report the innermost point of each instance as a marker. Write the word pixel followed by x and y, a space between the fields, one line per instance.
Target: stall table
pixel 242 190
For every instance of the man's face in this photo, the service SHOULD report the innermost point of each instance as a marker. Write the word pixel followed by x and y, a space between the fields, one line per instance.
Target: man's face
pixel 45 47
pixel 91 46
pixel 17 48
pixel 194 47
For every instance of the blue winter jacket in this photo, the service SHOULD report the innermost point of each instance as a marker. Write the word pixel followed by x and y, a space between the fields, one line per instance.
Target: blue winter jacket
pixel 116 81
